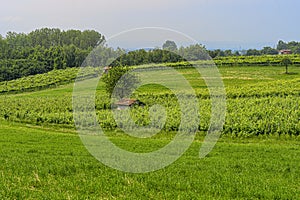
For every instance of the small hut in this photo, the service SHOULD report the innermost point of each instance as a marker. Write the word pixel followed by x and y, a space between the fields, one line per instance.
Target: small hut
pixel 127 103
pixel 285 52
pixel 106 69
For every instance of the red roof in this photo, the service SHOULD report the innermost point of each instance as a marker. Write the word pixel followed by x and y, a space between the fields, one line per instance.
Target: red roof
pixel 126 102
pixel 285 51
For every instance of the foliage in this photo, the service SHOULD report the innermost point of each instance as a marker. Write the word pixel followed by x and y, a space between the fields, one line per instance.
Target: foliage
pixel 253 52
pixel 281 45
pixel 265 60
pixel 169 46
pixel 286 62
pixel 120 82
pixel 43 50
pixel 166 55
pixel 269 51
pixel 47 38
pixel 13 69
pixel 43 81
pixel 46 49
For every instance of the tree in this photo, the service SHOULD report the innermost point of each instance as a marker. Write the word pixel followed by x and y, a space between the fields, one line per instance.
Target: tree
pixel 155 56
pixel 46 49
pixel 286 62
pixel 253 52
pixel 269 51
pixel 119 81
pixel 236 53
pixel 228 53
pixel 3 48
pixel 70 55
pixel 90 39
pixel 195 52
pixel 169 46
pixel 281 45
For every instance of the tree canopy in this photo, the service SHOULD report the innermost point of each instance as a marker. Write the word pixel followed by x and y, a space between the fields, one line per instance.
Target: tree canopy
pixel 119 82
pixel 286 62
pixel 169 46
pixel 43 50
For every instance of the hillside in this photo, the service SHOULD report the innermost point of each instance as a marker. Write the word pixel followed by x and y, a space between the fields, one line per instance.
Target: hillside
pixel 260 100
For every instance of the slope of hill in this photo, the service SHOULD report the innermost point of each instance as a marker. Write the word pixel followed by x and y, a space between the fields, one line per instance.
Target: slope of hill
pixel 260 100
pixel 51 79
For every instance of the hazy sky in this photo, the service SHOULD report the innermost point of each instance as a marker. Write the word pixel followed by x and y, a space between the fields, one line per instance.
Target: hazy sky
pixel 216 23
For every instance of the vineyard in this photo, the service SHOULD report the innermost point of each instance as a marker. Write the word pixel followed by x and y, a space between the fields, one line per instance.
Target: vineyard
pixel 259 101
pixel 257 157
pixel 266 60
pixel 44 81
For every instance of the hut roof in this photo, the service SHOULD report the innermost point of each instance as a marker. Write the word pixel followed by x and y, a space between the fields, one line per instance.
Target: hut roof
pixel 126 102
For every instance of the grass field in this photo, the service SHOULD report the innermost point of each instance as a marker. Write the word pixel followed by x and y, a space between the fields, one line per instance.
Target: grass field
pixel 42 156
pixel 39 163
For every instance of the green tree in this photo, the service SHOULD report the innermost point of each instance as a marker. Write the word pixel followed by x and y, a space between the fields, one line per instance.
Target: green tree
pixel 169 46
pixel 236 53
pixel 119 81
pixel 156 56
pixel 195 52
pixel 70 55
pixel 90 39
pixel 228 53
pixel 282 45
pixel 269 51
pixel 253 52
pixel 3 48
pixel 286 62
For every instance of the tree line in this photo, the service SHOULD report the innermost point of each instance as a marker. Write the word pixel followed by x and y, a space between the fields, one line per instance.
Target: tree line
pixel 169 53
pixel 293 46
pixel 43 50
pixel 46 49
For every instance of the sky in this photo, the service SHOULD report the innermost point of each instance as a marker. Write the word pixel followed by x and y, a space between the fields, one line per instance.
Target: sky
pixel 225 24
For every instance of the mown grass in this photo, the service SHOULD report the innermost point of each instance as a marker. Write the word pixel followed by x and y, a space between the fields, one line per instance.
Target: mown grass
pixel 53 164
